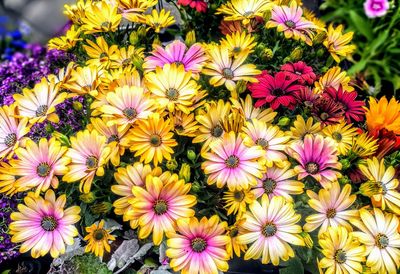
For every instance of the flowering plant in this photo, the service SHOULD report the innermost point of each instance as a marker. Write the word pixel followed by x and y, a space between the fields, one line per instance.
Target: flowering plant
pixel 196 146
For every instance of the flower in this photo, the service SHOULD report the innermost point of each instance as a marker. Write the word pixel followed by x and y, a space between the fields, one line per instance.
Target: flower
pixel 159 204
pixel 388 196
pixel 302 128
pixel 12 130
pixel 317 158
pixel 43 225
pixel 382 114
pixel 270 226
pixel 38 165
pixel 83 80
pixel 376 8
pixel 275 90
pixel 7 180
pixel 199 5
pixel 172 87
pixel 129 56
pixel 342 252
pixel 250 112
pixel 158 21
pixel 192 59
pixel 278 181
pixel 270 138
pixel 289 20
pixel 230 27
pixel 364 145
pixel 379 234
pixel 238 42
pixel 225 69
pixel 152 139
pixel 133 10
pixel 332 206
pixel 327 111
pixel 243 10
pixel 338 43
pixel 88 153
pixel 98 239
pixel 232 163
pixel 198 246
pixel 236 201
pixel 184 124
pixel 300 70
pixel 66 42
pixel 334 77
pixel 101 17
pixel 233 232
pixel 101 55
pixel 39 104
pixel 343 135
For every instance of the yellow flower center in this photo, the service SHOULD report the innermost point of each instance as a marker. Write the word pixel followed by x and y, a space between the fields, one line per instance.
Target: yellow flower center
pixel 269 186
pixel 41 110
pixel 337 136
pixel 49 223
pixel 269 230
pixel 232 161
pixel 130 113
pixel 227 73
pixel 160 207
pixel 43 169
pixel 155 140
pixel 340 256
pixel 91 162
pixel 198 245
pixel 10 139
pixel 312 168
pixel 290 24
pixel 381 241
pixel 262 142
pixel 238 196
pixel 172 94
pixel 99 234
pixel 331 213
pixel 217 131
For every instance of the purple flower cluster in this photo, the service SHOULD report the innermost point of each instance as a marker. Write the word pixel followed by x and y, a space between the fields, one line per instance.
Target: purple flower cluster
pixel 8 250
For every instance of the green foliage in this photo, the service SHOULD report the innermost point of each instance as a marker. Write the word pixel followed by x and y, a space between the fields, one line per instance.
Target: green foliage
pixel 89 264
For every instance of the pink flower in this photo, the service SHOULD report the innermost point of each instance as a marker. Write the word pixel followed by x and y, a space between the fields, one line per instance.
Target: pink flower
pixel 301 71
pixel 376 8
pixel 199 5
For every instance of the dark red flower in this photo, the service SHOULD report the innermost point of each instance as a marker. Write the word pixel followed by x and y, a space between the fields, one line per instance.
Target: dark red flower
pixel 388 142
pixel 306 96
pixel 301 71
pixel 327 111
pixel 199 5
pixel 354 111
pixel 275 91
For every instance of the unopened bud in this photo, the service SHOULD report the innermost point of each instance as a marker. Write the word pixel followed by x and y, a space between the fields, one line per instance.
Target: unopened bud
pixel 319 38
pixel 61 138
pixel 284 121
pixel 191 155
pixel 296 54
pixel 184 172
pixel 267 54
pixel 172 164
pixel 196 187
pixel 77 105
pixel 101 208
pixel 142 32
pixel 87 198
pixel 267 15
pixel 307 239
pixel 345 164
pixel 134 38
pixel 190 38
pixel 320 52
pixel 241 87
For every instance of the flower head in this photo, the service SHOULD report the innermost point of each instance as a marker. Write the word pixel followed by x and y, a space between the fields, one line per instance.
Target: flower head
pixel 334 77
pixel 133 10
pixel 234 246
pixel 300 70
pixel 302 128
pixel 159 20
pixel 238 42
pixel 244 10
pixel 83 80
pixel 383 114
pixel 338 43
pixel 343 135
pixel 199 5
pixel 327 111
pixel 98 239
pixel 236 201
pixel 101 54
pixel 246 107
pixel 376 8
pixel 101 17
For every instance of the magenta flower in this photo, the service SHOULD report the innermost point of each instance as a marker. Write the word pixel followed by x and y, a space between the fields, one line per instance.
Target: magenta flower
pixel 376 8
pixel 301 71
pixel 192 59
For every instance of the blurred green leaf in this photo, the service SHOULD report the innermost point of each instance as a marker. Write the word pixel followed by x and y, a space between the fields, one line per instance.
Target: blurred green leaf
pixel 361 24
pixel 294 265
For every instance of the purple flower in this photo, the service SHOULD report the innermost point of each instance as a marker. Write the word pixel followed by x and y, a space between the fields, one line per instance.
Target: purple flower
pixel 376 8
pixel 8 250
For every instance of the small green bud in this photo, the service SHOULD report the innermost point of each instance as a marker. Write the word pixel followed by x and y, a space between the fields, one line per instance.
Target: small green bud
pixel 191 155
pixel 141 32
pixel 267 54
pixel 190 38
pixel 241 86
pixel 320 52
pixel 284 121
pixel 87 198
pixel 134 38
pixel 184 172
pixel 77 105
pixel 307 239
pixel 296 54
pixel 345 164
pixel 172 164
pixel 267 15
pixel 196 187
pixel 101 208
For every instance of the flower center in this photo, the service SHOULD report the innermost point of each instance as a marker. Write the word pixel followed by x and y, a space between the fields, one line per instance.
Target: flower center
pixel 155 140
pixel 384 188
pixel 10 139
pixel 377 6
pixel 331 213
pixel 217 131
pixel 41 110
pixel 130 113
pixel 248 13
pixel 290 24
pixel 312 168
pixel 160 207
pixel 232 161
pixel 91 162
pixel 49 223
pixel 234 232
pixel 262 142
pixel 227 73
pixel 126 61
pixel 269 186
pixel 177 63
pixel 381 241
pixel 179 128
pixel 99 234
pixel 238 196
pixel 324 116
pixel 172 94
pixel 198 244
pixel 105 24
pixel 236 49
pixel 277 92
pixel 43 169
pixel 337 136
pixel 340 256
pixel 113 138
pixel 269 230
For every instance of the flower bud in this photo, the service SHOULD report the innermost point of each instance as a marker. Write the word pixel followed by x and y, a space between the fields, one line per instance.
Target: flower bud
pixel 191 155
pixel 284 121
pixel 241 86
pixel 196 187
pixel 184 172
pixel 134 38
pixel 267 15
pixel 87 198
pixel 61 138
pixel 172 164
pixel 190 38
pixel 141 32
pixel 296 54
pixel 345 164
pixel 77 105
pixel 267 54
pixel 101 208
pixel 319 38
pixel 370 188
pixel 307 239
pixel 320 52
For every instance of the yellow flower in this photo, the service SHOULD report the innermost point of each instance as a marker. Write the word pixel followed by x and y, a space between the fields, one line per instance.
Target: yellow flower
pixel 364 145
pixel 66 42
pixel 238 42
pixel 343 135
pixel 184 124
pixel 98 239
pixel 101 55
pixel 7 180
pixel 101 17
pixel 334 77
pixel 388 197
pixel 234 246
pixel 158 21
pixel 236 201
pixel 342 252
pixel 301 128
pixel 246 107
pixel 83 81
pixel 133 10
pixel 77 12
pixel 152 139
pixel 225 69
pixel 172 87
pixel 310 16
pixel 40 103
pixel 244 10
pixel 337 43
pixel 129 56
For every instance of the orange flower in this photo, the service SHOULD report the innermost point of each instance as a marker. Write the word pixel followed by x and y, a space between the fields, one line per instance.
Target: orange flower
pixel 383 114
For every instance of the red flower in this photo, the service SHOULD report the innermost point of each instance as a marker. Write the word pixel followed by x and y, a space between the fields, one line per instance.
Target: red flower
pixel 306 96
pixel 388 142
pixel 353 109
pixel 276 91
pixel 327 111
pixel 199 5
pixel 301 71
pixel 229 27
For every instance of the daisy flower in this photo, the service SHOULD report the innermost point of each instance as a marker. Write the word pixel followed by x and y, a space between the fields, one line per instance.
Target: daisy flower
pixel 236 201
pixel 127 105
pixel 327 111
pixel 343 135
pixel 230 27
pixel 198 246
pixel 152 139
pixel 270 138
pixel 332 206
pixel 192 59
pixel 342 252
pixel 98 239
pixel 101 55
pixel 302 128
pixel 364 145
pixel 278 181
pixel 270 226
pixel 159 204
pixel 384 178
pixel 133 10
pixel 234 246
pixel 184 124
pixel 199 5
pixel 334 78
pixel 383 114
pixel 300 70
pixel 88 153
pixel 172 87
pixel 243 10
pixel 376 8
pixel 289 20
pixel 12 130
pixel 317 158
pixel 379 233
pixel 7 180
pixel 77 11
pixel 232 163
pixel 67 41
pixel 338 43
pixel 275 90
pixel 226 69
pixel 101 17
pixel 159 20
pixel 83 80
pixel 246 107
pixel 38 165
pixel 40 103
pixel 129 56
pixel 239 42
pixel 43 225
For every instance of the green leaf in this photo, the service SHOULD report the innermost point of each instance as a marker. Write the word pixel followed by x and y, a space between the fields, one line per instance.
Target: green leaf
pixel 361 24
pixel 376 43
pixel 294 265
pixel 359 66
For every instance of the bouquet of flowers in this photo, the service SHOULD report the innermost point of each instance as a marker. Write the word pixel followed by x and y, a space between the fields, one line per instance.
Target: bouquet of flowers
pixel 185 134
